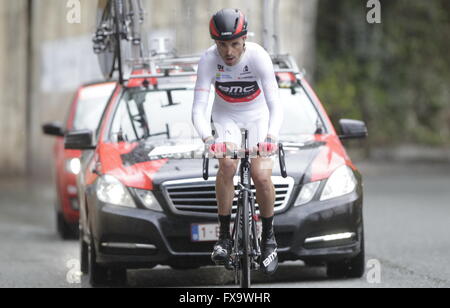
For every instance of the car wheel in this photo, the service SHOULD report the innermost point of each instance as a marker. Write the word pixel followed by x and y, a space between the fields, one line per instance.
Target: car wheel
pixel 65 230
pixel 62 226
pixel 351 268
pixel 97 274
pixel 118 276
pixel 84 255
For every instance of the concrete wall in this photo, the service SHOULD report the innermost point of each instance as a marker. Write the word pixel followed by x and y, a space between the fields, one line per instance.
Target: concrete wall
pixel 13 67
pixel 58 55
pixel 61 58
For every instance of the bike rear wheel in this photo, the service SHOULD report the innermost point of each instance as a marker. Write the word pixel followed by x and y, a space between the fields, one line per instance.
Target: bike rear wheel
pixel 105 38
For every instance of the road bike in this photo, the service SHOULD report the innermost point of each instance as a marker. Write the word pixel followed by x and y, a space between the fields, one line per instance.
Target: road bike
pixel 246 250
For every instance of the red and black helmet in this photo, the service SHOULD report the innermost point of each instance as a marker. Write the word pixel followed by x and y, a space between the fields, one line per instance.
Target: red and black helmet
pixel 228 24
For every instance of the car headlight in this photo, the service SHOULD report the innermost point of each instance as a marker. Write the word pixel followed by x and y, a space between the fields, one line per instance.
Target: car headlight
pixel 111 190
pixel 340 183
pixel 73 165
pixel 307 193
pixel 149 200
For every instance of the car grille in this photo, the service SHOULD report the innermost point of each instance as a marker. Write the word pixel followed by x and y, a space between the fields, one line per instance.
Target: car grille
pixel 197 196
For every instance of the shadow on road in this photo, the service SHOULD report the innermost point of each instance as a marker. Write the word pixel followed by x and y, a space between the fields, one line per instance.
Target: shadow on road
pixel 219 277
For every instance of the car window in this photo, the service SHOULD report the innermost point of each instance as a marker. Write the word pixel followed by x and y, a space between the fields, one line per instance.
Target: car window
pixel 124 127
pixel 168 113
pixel 300 115
pixel 90 106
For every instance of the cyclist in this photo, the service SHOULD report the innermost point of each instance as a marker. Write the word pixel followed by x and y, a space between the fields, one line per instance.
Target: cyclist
pixel 246 96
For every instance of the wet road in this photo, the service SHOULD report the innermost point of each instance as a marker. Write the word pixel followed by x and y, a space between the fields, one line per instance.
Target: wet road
pixel 407 215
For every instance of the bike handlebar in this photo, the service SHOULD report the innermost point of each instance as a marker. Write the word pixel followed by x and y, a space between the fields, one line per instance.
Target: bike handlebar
pixel 281 159
pixel 205 166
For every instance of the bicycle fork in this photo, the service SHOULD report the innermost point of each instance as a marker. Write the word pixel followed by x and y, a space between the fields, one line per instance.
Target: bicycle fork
pixel 255 250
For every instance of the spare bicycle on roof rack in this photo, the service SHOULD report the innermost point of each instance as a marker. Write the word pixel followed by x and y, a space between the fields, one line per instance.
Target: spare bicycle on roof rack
pixel 120 40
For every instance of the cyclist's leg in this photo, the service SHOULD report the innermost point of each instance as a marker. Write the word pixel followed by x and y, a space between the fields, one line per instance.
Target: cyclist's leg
pixel 265 190
pixel 226 132
pixel 265 196
pixel 225 185
pixel 261 173
pixel 262 166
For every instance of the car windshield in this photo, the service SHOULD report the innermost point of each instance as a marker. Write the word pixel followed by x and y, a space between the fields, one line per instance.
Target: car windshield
pixel 90 105
pixel 300 116
pixel 166 114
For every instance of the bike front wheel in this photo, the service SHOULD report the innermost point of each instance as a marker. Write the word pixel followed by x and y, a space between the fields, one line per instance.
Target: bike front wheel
pixel 245 279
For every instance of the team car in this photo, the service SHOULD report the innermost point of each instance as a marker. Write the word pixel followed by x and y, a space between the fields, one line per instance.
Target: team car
pixel 85 111
pixel 143 200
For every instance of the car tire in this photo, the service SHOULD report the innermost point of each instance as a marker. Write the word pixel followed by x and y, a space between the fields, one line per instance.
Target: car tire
pixel 101 275
pixel 84 255
pixel 66 230
pixel 350 268
pixel 118 276
pixel 98 275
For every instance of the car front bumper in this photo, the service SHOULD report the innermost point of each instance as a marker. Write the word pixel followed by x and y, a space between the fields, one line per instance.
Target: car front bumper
pixel 137 238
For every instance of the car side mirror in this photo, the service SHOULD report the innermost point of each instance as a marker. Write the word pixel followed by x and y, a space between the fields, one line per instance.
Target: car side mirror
pixel 53 129
pixel 352 129
pixel 79 140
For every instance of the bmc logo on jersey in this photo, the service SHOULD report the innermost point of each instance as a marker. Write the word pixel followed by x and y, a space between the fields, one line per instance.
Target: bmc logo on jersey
pixel 238 91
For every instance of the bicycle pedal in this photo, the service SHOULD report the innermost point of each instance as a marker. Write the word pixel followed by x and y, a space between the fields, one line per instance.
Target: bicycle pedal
pixel 255 266
pixel 219 263
pixel 229 265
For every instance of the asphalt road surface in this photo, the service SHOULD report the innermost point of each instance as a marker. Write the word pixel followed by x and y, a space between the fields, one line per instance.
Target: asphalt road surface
pixel 407 215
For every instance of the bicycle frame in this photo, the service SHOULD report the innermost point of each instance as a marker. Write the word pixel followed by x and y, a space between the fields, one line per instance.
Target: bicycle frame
pixel 246 247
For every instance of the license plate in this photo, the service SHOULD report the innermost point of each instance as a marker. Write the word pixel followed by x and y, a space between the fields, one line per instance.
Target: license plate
pixel 210 232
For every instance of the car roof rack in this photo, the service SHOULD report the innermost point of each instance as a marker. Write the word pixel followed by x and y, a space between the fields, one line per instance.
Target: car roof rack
pixel 187 66
pixel 285 63
pixel 168 67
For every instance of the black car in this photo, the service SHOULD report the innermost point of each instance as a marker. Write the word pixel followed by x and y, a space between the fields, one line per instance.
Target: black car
pixel 143 200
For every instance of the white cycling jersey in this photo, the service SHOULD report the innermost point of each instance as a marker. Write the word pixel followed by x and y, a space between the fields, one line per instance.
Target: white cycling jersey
pixel 246 96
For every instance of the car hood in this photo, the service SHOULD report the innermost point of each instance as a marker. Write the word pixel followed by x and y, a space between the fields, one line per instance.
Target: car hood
pixel 313 158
